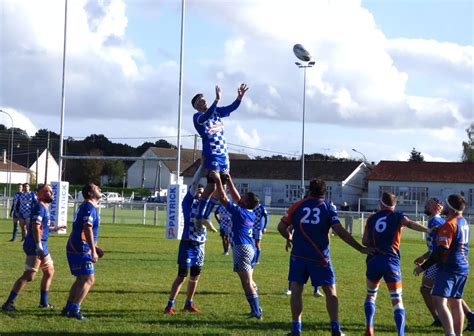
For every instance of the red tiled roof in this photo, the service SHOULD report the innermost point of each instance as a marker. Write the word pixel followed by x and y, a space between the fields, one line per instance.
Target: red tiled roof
pixel 286 169
pixel 186 156
pixel 447 172
pixel 15 167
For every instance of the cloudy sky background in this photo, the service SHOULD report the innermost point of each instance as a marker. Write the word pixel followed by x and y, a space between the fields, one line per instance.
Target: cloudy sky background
pixel 389 75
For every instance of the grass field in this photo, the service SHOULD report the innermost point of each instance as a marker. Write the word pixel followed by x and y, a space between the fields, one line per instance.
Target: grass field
pixel 135 275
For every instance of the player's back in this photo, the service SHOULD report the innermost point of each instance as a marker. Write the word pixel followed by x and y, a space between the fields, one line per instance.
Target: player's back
pixel 311 219
pixel 86 213
pixel 384 231
pixel 456 230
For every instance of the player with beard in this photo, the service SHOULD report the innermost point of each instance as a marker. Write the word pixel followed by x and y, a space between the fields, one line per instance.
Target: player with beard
pixel 36 249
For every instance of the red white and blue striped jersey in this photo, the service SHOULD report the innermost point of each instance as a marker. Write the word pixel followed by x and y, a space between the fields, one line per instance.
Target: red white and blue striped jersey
pixel 311 219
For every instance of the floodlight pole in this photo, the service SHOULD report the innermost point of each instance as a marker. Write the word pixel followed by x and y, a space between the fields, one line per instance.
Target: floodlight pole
pixel 365 158
pixel 180 108
pixel 63 98
pixel 304 66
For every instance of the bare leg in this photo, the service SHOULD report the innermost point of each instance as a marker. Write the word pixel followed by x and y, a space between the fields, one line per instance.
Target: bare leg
pixel 192 285
pixel 444 314
pixel 457 314
pixel 332 302
pixel 425 290
pixel 296 301
pixel 82 286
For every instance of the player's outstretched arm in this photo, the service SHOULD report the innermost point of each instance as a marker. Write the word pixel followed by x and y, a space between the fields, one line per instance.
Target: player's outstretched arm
pixel 196 178
pixel 234 193
pixel 346 236
pixel 414 225
pixel 243 88
pixel 220 193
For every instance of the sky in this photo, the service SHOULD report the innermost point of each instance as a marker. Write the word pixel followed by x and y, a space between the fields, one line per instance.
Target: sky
pixel 390 75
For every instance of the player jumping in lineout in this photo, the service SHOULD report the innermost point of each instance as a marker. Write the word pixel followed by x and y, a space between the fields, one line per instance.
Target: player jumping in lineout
pixel 208 123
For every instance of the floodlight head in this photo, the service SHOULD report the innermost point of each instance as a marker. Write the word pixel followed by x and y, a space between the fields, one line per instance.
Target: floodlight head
pixel 312 63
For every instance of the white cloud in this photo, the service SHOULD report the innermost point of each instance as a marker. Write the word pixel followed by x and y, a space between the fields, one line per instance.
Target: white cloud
pixel 19 120
pixel 249 138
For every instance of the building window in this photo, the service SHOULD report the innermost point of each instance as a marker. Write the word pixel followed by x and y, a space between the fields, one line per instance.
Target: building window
pixel 406 194
pixel 243 188
pixel 329 192
pixel 471 197
pixel 292 192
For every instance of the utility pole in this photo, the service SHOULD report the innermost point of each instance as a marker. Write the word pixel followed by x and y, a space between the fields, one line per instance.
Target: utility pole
pixel 47 157
pixel 195 147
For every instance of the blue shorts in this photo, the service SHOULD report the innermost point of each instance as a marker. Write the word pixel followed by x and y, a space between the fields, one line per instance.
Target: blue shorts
pixel 302 269
pixel 244 257
pixel 80 263
pixel 224 231
pixel 449 285
pixel 25 215
pixel 218 163
pixel 257 234
pixel 191 253
pixel 29 247
pixel 385 267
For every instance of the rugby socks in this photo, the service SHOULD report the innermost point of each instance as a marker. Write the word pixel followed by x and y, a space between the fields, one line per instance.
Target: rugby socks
pixel 254 304
pixel 12 297
pixel 68 305
pixel 257 255
pixel 170 303
pixel 399 316
pixel 335 326
pixel 44 298
pixel 369 307
pixel 296 327
pixel 188 303
pixel 209 207
pixel 74 307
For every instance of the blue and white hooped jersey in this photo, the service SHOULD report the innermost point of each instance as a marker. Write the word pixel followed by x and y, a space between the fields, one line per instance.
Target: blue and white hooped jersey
pixel 190 207
pixel 433 223
pixel 225 221
pixel 211 129
pixel 261 217
pixel 27 201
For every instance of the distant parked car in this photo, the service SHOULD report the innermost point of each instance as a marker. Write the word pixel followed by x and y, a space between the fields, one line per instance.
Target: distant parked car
pixel 112 197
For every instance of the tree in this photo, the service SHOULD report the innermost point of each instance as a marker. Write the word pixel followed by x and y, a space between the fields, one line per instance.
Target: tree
pixel 416 156
pixel 468 147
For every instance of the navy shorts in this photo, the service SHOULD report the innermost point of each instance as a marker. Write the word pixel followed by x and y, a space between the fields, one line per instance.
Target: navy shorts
pixel 385 267
pixel 80 263
pixel 191 253
pixel 449 285
pixel 218 163
pixel 302 269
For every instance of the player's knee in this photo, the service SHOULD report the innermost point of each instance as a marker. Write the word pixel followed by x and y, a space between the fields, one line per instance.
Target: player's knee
pixel 183 271
pixel 29 276
pixel 372 293
pixel 195 271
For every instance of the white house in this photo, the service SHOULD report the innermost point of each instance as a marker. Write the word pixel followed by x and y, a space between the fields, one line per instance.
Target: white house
pixel 415 182
pixel 19 174
pixel 45 169
pixel 277 182
pixel 157 175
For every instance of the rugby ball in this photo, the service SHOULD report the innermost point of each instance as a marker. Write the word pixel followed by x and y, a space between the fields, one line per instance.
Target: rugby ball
pixel 301 53
pixel 100 252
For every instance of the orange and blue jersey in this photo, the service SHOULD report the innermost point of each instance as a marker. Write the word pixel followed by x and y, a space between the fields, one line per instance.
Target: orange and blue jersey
pixel 454 236
pixel 86 216
pixel 384 230
pixel 311 219
pixel 39 217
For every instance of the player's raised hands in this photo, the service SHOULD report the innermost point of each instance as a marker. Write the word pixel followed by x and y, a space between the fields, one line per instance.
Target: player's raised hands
pixel 241 90
pixel 218 93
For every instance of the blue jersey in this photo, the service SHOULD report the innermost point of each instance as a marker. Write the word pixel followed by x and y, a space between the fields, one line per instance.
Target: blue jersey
pixel 242 224
pixel 224 218
pixel 433 223
pixel 261 217
pixel 454 235
pixel 311 219
pixel 39 218
pixel 210 127
pixel 16 204
pixel 86 216
pixel 27 200
pixel 384 230
pixel 190 207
